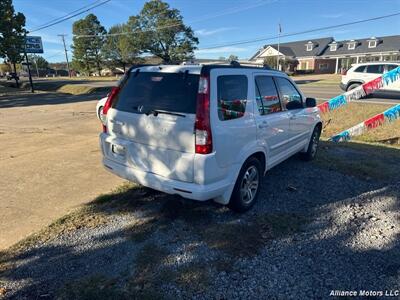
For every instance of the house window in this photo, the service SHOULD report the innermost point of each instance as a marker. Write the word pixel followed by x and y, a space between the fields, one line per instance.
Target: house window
pixel 371 44
pixel 323 66
pixel 309 47
pixel 352 46
pixel 333 47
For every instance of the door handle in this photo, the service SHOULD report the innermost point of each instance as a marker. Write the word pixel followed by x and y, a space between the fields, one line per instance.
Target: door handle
pixel 263 125
pixel 293 117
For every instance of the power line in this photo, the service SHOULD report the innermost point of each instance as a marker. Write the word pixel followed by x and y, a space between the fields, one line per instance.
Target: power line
pixel 69 16
pixel 299 32
pixel 62 17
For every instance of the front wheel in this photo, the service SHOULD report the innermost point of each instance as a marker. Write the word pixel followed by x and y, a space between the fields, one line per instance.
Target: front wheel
pixel 247 186
pixel 353 86
pixel 312 146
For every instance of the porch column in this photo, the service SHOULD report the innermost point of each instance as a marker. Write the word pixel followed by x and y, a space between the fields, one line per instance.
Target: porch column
pixel 357 59
pixel 337 65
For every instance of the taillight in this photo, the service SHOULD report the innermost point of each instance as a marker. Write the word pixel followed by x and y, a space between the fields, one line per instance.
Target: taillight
pixel 203 141
pixel 110 99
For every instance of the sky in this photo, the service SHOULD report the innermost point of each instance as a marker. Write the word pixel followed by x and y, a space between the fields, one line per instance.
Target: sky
pixel 220 22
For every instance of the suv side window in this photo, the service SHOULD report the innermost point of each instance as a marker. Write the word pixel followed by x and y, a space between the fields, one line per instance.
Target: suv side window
pixel 266 95
pixel 377 69
pixel 360 69
pixel 232 96
pixel 391 67
pixel 287 91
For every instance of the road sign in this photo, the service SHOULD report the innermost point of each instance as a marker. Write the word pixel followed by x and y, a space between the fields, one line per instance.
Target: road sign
pixel 34 44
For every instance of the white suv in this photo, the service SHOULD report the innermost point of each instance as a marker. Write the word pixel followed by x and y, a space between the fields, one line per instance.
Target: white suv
pixel 361 73
pixel 206 131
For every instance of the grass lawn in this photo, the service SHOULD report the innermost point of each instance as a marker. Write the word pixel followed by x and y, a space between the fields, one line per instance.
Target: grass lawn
pixel 354 113
pixel 91 78
pixel 319 79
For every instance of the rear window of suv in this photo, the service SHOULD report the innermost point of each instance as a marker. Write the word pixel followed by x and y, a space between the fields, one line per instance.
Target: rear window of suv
pixel 146 91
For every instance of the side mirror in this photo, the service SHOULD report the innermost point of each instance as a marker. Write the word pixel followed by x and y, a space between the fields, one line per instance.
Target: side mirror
pixel 311 102
pixel 294 105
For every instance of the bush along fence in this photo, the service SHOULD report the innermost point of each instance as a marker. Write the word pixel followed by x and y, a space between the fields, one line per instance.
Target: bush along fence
pixel 388 115
pixel 361 91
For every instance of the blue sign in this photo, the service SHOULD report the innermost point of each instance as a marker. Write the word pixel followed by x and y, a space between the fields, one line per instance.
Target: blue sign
pixel 33 44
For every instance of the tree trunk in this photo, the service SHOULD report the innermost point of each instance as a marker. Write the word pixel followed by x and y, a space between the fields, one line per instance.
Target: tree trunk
pixel 16 78
pixel 98 67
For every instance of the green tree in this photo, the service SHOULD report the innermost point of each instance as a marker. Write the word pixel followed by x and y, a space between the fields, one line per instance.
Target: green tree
pixel 160 30
pixel 11 34
pixel 233 58
pixel 39 61
pixel 120 50
pixel 87 54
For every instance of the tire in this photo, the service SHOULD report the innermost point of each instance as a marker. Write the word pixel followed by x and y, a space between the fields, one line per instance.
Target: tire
pixel 244 196
pixel 312 145
pixel 353 86
pixel 99 112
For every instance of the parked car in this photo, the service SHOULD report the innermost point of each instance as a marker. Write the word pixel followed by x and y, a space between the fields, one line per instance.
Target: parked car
pixel 361 73
pixel 11 76
pixel 206 131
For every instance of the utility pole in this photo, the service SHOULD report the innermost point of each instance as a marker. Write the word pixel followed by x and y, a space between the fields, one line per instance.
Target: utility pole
pixel 66 55
pixel 29 69
pixel 279 41
pixel 37 70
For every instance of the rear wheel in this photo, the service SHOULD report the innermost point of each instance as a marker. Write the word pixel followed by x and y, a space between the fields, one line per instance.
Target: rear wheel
pixel 312 146
pixel 247 186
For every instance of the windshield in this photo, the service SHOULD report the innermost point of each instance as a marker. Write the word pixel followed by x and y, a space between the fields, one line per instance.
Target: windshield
pixel 147 91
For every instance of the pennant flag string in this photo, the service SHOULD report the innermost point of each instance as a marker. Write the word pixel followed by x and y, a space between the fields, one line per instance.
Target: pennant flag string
pixel 388 115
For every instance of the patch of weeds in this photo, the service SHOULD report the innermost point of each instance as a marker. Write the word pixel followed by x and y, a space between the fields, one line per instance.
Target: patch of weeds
pixel 283 224
pixel 125 198
pixel 93 287
pixel 247 239
pixel 365 161
pixel 191 212
pixel 193 277
pixel 145 277
pixel 235 239
pixel 142 229
pixel 224 264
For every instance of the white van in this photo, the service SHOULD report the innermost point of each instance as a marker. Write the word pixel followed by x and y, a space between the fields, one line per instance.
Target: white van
pixel 206 131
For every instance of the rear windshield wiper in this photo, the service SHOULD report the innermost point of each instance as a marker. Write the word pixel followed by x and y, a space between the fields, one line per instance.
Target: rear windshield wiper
pixel 155 112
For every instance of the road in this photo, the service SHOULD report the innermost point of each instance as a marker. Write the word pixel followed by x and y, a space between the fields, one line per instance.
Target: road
pixel 50 160
pixel 326 92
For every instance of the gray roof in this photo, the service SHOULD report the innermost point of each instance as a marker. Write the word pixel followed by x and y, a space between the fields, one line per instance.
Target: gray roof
pixel 385 44
pixel 298 49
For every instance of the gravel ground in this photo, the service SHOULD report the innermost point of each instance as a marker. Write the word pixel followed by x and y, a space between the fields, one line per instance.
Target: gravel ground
pixel 314 230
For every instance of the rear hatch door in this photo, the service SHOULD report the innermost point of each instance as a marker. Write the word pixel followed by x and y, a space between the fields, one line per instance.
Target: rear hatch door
pixel 153 119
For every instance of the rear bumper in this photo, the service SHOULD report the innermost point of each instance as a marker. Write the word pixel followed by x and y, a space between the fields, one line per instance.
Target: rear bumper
pixel 185 189
pixel 343 86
